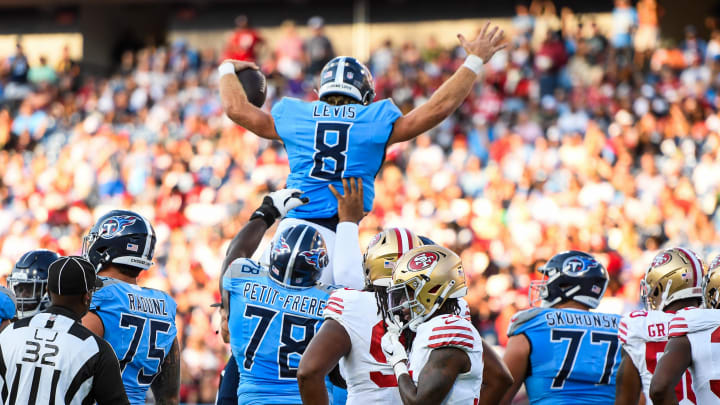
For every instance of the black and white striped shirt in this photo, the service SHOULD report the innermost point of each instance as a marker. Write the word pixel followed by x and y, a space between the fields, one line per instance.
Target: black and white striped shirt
pixel 51 358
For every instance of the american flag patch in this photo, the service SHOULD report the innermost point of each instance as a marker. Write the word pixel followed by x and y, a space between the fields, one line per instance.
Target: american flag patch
pixel 132 247
pixel 328 74
pixel 596 289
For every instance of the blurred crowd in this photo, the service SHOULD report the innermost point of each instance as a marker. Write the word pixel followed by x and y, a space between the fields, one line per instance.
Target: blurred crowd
pixel 607 142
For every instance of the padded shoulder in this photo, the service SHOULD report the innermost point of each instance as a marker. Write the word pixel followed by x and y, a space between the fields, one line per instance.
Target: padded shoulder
pixel 521 318
pixel 245 268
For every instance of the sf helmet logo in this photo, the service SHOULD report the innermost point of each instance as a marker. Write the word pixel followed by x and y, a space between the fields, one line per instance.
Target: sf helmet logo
pixel 661 259
pixel 114 225
pixel 316 257
pixel 422 261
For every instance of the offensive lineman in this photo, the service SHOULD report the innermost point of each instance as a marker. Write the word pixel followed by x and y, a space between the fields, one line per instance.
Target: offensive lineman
pixel 672 282
pixel 693 339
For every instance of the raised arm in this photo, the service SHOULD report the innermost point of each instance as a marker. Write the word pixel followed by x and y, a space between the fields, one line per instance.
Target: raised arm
pixel 347 257
pixel 496 377
pixel 166 386
pixel 236 105
pixel 670 368
pixel 275 205
pixel 451 94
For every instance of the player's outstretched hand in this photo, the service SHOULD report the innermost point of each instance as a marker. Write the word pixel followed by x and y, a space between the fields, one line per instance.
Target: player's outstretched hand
pixel 277 204
pixel 242 64
pixel 486 43
pixel 350 203
pixel 392 347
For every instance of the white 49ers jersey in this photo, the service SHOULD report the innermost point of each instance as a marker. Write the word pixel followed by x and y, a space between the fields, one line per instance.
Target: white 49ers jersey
pixel 702 328
pixel 644 336
pixel 370 380
pixel 450 331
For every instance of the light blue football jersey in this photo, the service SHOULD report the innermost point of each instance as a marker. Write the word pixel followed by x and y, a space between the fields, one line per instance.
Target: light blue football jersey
pixel 574 355
pixel 326 143
pixel 140 326
pixel 270 327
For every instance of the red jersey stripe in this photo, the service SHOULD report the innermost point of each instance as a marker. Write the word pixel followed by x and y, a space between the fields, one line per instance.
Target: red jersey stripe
pixel 678 326
pixel 334 298
pixel 451 343
pixel 337 311
pixel 335 307
pixel 453 335
pixel 451 328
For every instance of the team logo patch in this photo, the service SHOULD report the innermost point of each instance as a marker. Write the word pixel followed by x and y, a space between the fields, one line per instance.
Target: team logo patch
pixel 661 259
pixel 578 264
pixel 349 75
pixel 316 257
pixel 422 261
pixel 114 225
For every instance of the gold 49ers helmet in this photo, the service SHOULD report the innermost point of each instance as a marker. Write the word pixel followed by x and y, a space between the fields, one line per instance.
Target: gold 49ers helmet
pixel 674 274
pixel 711 285
pixel 423 280
pixel 383 252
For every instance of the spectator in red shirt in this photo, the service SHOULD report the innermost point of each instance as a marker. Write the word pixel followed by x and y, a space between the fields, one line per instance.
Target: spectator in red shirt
pixel 244 43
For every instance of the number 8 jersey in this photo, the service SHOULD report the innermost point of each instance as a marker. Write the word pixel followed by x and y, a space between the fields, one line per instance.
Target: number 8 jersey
pixel 140 326
pixel 325 143
pixel 574 355
pixel 644 335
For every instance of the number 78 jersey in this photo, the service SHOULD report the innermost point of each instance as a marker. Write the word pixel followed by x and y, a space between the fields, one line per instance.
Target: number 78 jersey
pixel 326 143
pixel 574 355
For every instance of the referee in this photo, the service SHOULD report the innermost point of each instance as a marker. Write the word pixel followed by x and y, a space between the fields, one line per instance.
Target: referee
pixel 50 357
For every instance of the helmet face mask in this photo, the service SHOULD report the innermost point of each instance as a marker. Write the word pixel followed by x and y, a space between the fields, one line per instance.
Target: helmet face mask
pixel 28 281
pixel 423 280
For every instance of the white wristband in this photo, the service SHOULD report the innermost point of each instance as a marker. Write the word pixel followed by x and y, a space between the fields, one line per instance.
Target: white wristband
pixel 400 368
pixel 474 63
pixel 226 68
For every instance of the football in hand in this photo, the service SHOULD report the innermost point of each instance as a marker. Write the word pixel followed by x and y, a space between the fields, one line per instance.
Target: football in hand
pixel 253 81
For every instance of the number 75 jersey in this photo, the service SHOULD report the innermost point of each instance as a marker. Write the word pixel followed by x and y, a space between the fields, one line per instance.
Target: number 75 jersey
pixel 574 355
pixel 326 143
pixel 140 326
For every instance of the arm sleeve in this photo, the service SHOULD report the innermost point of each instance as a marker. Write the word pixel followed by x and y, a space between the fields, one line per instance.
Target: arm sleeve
pixel 107 382
pixel 347 258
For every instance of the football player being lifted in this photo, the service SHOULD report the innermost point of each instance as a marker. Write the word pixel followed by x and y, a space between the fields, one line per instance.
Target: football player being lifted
pixel 694 345
pixel 345 133
pixel 672 282
pixel 445 364
pixel 562 352
pixel 28 280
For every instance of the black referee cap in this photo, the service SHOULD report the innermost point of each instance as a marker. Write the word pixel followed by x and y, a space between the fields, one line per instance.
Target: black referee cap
pixel 72 275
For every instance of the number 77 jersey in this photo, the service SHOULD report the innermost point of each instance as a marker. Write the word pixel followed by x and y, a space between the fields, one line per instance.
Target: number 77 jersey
pixel 326 143
pixel 574 355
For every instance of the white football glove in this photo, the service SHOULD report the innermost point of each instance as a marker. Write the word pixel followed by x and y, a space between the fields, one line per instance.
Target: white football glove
pixel 277 204
pixel 392 347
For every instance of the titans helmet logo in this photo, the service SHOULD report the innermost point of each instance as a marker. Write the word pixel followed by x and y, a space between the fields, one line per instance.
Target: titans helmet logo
pixel 114 225
pixel 316 257
pixel 578 264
